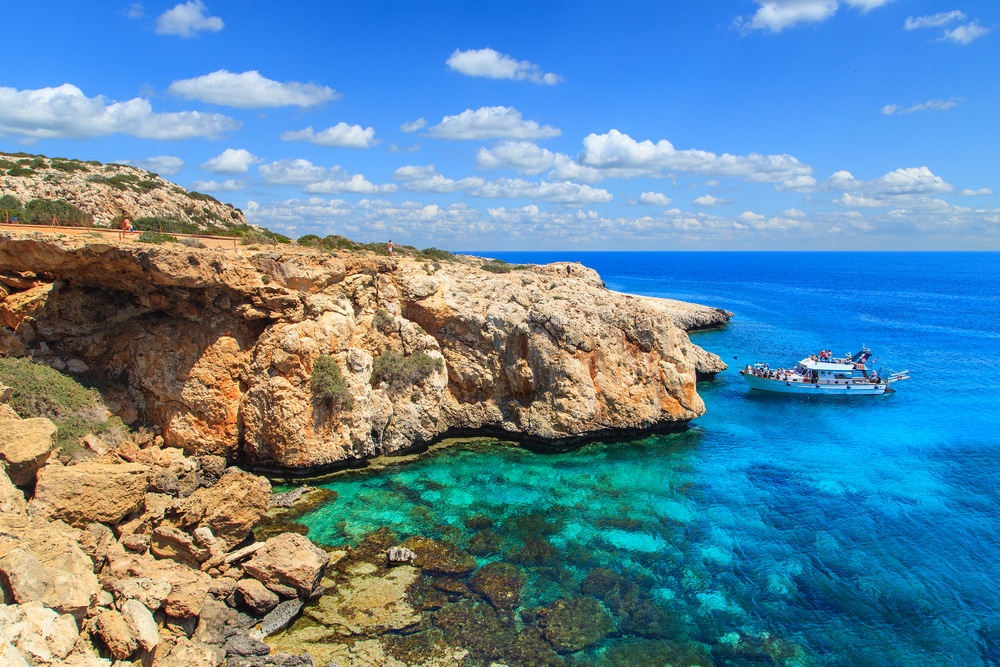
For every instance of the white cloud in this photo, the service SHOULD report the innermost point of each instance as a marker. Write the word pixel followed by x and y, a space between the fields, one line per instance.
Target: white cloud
pixel 491 123
pixel 561 193
pixel 319 180
pixel 776 15
pixel 340 135
pixel 654 199
pixel 228 185
pixel 135 11
pixel 793 213
pixel 906 184
pixel 231 161
pixel 929 105
pixel 399 149
pixel 250 90
pixel 159 164
pixel 65 112
pixel 933 20
pixel 427 179
pixel 494 65
pixel 522 156
pixel 413 126
pixel 847 200
pixel 186 19
pixel 964 34
pixel 616 154
pixel 709 200
pixel 981 192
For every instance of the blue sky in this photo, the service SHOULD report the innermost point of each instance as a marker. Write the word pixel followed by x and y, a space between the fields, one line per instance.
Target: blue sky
pixel 749 124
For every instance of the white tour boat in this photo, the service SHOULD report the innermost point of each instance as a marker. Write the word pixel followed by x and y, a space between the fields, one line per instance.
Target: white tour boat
pixel 823 374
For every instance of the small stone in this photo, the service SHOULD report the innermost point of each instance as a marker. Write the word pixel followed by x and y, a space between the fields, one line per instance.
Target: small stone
pixel 203 537
pixel 280 617
pixel 256 597
pixel 136 542
pixel 243 644
pixel 400 555
pixel 116 634
pixel 140 621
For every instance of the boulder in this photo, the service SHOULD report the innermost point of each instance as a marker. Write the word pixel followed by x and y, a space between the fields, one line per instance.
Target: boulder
pixel 183 652
pixel 11 498
pixel 230 508
pixel 244 645
pixel 140 621
pixel 10 656
pixel 25 445
pixel 169 542
pixel 91 491
pixel 216 622
pixel 71 582
pixel 23 576
pixel 256 597
pixel 147 591
pixel 41 635
pixel 116 634
pixel 573 624
pixel 289 559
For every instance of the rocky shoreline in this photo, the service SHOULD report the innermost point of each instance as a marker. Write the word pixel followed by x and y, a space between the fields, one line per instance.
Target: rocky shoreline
pixel 219 347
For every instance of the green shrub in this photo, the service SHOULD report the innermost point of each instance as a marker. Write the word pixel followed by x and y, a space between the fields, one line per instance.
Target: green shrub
pixel 335 241
pixel 200 196
pixel 20 171
pixel 262 236
pixel 329 384
pixel 156 238
pixel 309 241
pixel 383 321
pixel 69 166
pixel 399 372
pixel 7 164
pixel 40 212
pixel 40 391
pixel 12 205
pixel 496 266
pixel 436 254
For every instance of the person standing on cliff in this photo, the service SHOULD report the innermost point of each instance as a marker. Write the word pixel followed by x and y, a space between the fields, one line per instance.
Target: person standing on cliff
pixel 390 247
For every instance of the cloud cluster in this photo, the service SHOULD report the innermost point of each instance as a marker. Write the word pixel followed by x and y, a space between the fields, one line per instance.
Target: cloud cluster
pixel 185 20
pixel 228 185
pixel 564 192
pixel 964 33
pixel 428 179
pixel 776 15
pixel 340 135
pixel 617 155
pixel 250 90
pixel 65 112
pixel 494 65
pixel 319 180
pixel 895 188
pixel 491 123
pixel 159 164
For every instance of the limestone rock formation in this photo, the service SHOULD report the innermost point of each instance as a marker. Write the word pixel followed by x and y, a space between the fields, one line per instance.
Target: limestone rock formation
pixel 218 347
pixel 25 445
pixel 106 191
pixel 291 560
pixel 91 491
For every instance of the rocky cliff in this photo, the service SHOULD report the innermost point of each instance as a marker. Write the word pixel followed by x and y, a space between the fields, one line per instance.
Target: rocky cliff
pixel 218 347
pixel 106 191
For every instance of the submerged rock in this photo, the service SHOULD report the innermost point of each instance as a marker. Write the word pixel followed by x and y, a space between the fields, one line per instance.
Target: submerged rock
pixel 574 624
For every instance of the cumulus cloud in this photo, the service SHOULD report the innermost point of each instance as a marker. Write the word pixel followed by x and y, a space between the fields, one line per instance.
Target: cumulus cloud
pixel 561 193
pixel 65 112
pixel 522 156
pixel 319 180
pixel 654 199
pixel 231 161
pixel 929 105
pixel 491 123
pixel 902 184
pixel 159 164
pixel 228 185
pixel 981 192
pixel 494 65
pixel 776 15
pixel 427 179
pixel 250 90
pixel 413 126
pixel 709 200
pixel 187 19
pixel 340 135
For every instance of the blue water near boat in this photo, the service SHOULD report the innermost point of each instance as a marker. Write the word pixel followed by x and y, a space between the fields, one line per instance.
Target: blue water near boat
pixel 851 530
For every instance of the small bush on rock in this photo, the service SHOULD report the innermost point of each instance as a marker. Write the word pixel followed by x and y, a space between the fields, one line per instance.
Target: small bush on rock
pixel 329 384
pixel 399 372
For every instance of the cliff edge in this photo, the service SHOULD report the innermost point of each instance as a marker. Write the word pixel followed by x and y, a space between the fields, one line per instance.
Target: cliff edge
pixel 219 347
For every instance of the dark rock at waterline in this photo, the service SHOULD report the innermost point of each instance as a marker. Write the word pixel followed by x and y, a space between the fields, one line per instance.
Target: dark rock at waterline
pixel 279 619
pixel 574 624
pixel 500 583
pixel 242 644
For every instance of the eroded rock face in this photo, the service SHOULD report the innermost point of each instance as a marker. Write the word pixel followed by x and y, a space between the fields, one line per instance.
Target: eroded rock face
pixel 219 347
pixel 291 560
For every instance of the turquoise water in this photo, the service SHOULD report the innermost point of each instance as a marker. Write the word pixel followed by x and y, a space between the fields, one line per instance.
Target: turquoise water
pixel 852 531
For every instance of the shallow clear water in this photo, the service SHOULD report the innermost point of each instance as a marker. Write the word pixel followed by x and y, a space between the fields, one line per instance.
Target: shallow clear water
pixel 861 530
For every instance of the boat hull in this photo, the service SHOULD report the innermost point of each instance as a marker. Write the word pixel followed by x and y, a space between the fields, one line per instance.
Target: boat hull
pixel 820 389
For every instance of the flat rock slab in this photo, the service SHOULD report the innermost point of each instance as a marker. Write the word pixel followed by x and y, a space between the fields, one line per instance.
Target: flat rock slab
pixel 25 445
pixel 87 492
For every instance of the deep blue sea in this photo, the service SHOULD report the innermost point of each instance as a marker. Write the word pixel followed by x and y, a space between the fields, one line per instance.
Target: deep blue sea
pixel 778 529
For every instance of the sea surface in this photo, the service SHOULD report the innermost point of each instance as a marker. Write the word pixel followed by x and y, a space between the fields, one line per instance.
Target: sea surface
pixel 777 529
